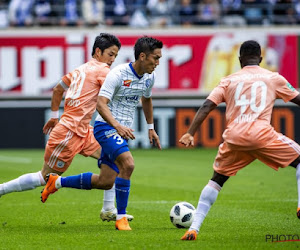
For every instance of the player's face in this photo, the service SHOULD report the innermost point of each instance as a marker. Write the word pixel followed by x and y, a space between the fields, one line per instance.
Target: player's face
pixel 109 55
pixel 152 60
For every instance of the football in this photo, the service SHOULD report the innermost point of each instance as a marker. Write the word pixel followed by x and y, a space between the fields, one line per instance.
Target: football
pixel 182 214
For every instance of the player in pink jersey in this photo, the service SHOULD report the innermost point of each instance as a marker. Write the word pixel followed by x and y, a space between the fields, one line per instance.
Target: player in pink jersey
pixel 72 134
pixel 249 95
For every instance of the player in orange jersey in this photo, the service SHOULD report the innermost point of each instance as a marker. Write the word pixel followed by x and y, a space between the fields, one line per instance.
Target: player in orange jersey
pixel 72 134
pixel 249 95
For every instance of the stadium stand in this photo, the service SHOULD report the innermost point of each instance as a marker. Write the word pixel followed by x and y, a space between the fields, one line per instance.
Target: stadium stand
pixel 148 13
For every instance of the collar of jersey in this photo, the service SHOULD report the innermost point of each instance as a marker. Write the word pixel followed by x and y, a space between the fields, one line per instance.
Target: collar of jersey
pixel 132 69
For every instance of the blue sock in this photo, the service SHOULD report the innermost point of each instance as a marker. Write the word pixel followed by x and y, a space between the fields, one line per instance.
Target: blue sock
pixel 81 181
pixel 122 194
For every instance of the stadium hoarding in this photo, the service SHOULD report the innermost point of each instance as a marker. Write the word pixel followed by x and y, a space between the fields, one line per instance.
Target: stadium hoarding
pixel 22 126
pixel 193 61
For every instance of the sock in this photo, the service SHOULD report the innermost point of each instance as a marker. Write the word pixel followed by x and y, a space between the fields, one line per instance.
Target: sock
pixel 23 183
pixel 298 182
pixel 208 196
pixel 109 198
pixel 81 181
pixel 122 194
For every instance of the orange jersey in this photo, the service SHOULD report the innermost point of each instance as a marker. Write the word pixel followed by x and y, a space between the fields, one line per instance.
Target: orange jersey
pixel 249 95
pixel 81 98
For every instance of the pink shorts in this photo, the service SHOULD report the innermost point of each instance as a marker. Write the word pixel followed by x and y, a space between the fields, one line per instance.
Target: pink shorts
pixel 278 154
pixel 63 145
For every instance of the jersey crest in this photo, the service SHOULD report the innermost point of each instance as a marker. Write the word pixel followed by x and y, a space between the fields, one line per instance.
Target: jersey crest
pixel 127 83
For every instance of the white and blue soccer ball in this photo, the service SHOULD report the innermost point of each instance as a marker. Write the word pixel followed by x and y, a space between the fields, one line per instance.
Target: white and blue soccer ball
pixel 182 214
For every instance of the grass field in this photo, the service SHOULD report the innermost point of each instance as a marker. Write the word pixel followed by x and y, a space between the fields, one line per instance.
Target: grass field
pixel 257 202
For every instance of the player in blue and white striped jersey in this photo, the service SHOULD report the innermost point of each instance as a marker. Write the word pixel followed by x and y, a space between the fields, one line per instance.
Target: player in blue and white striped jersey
pixel 119 96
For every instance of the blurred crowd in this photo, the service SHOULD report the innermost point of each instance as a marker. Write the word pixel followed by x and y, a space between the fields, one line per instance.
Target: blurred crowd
pixel 148 13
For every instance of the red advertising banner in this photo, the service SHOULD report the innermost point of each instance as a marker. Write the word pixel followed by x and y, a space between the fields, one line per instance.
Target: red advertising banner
pixel 30 65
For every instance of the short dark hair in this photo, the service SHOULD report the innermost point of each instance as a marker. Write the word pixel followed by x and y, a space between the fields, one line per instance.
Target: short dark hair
pixel 104 41
pixel 250 49
pixel 147 45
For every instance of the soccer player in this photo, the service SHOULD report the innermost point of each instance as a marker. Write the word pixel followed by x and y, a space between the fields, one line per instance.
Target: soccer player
pixel 249 95
pixel 119 96
pixel 72 134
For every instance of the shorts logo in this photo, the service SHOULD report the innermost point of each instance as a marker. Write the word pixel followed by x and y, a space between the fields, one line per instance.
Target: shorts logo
pixel 60 164
pixel 110 133
pixel 127 83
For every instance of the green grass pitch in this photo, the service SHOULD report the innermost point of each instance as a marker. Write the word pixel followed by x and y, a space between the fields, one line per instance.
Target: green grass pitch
pixel 257 202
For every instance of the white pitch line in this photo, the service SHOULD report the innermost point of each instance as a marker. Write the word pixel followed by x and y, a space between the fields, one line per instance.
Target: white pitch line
pixel 15 159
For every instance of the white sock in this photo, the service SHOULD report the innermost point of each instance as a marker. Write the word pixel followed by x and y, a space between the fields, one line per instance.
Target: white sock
pixel 58 182
pixel 120 216
pixel 298 182
pixel 208 196
pixel 23 183
pixel 109 198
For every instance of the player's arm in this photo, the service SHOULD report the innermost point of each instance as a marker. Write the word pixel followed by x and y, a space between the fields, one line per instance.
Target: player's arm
pixel 188 138
pixel 104 111
pixel 57 95
pixel 148 112
pixel 296 100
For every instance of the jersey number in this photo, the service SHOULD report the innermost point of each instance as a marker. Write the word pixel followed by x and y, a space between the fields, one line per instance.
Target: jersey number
pixel 243 102
pixel 76 85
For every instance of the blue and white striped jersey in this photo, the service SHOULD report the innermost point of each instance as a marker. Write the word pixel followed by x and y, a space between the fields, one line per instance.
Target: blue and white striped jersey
pixel 124 88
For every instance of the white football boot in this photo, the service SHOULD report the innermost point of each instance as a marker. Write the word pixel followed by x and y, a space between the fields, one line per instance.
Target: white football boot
pixel 111 215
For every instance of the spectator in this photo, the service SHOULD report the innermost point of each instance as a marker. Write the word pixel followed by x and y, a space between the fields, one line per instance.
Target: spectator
pixel 72 14
pixel 255 12
pixel 43 11
pixel 186 13
pixel 208 12
pixel 297 10
pixel 19 12
pixel 232 13
pixel 284 12
pixel 92 12
pixel 161 12
pixel 118 12
pixel 3 14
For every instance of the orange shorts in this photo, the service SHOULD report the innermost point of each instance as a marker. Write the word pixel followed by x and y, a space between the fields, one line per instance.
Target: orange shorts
pixel 279 153
pixel 63 145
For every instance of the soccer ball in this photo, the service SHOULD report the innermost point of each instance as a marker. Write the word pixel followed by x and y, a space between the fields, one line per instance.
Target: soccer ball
pixel 182 214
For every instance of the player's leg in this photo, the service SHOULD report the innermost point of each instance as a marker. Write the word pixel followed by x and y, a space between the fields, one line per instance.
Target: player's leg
pixel 108 211
pixel 61 148
pixel 118 155
pixel 227 163
pixel 22 183
pixel 296 165
pixel 207 198
pixel 33 180
pixel 281 153
pixel 125 164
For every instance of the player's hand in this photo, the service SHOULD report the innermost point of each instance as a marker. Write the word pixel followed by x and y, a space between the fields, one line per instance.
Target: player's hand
pixel 50 125
pixel 187 139
pixel 126 133
pixel 154 137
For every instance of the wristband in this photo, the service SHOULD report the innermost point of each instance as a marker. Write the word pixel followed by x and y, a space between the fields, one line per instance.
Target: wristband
pixel 54 114
pixel 151 126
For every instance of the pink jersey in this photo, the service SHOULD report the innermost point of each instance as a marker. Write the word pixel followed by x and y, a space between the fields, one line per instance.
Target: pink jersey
pixel 81 98
pixel 249 95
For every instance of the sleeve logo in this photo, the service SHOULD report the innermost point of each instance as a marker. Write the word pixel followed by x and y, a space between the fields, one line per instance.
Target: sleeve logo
pixel 148 81
pixel 290 86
